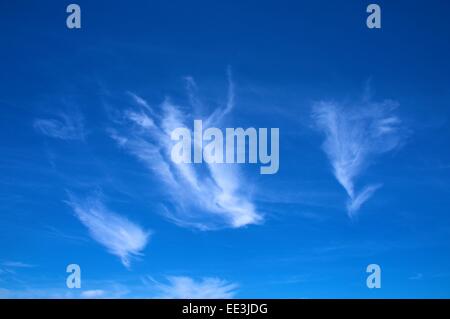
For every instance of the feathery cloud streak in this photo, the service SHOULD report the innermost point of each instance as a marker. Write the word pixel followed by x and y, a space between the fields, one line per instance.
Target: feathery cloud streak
pixel 188 288
pixel 353 137
pixel 204 196
pixel 120 236
pixel 64 126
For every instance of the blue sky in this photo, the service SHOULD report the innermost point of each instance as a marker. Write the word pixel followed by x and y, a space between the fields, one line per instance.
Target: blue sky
pixel 364 158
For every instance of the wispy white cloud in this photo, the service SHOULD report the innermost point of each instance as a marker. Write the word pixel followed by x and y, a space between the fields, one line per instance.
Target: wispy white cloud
pixel 174 287
pixel 205 196
pixel 95 293
pixel 219 113
pixel 31 293
pixel 53 291
pixel 353 137
pixel 64 125
pixel 188 288
pixel 418 276
pixel 11 268
pixel 16 264
pixel 120 236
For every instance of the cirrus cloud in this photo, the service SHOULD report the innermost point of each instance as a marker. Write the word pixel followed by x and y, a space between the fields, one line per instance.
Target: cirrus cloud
pixel 180 287
pixel 203 196
pixel 354 136
pixel 120 236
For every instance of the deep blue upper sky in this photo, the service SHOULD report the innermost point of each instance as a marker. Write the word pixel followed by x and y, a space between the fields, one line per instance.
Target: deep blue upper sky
pixel 75 169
